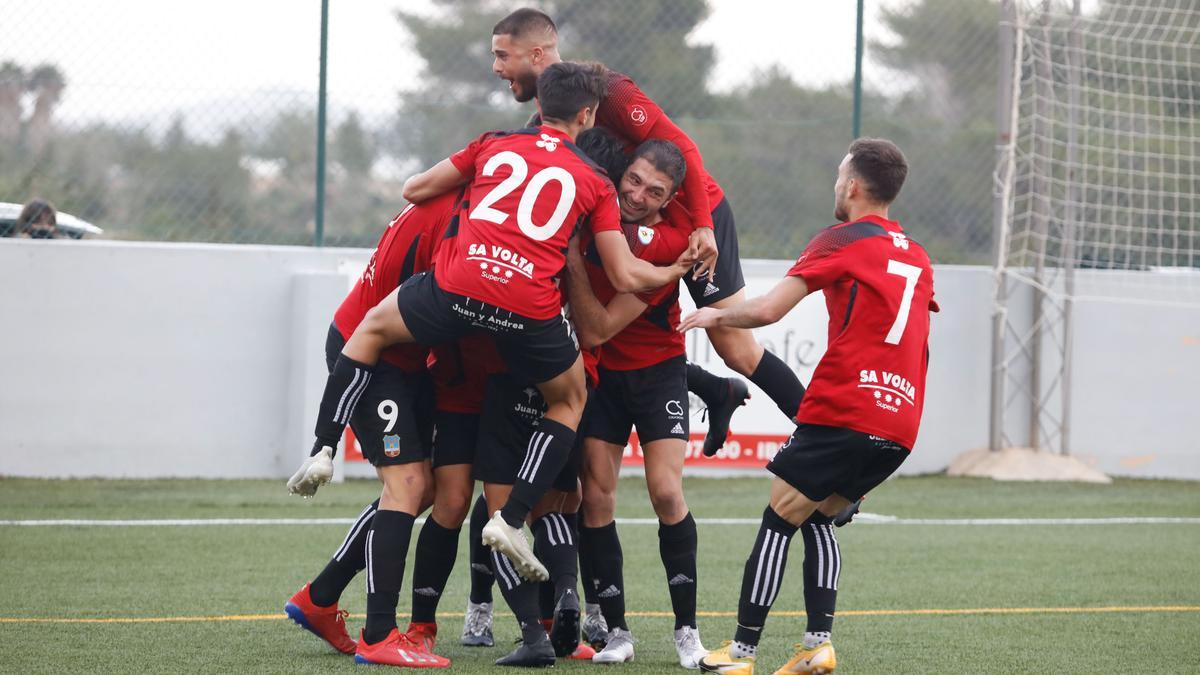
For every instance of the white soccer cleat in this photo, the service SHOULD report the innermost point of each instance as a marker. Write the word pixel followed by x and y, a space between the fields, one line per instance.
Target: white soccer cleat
pixel 618 650
pixel 477 625
pixel 511 542
pixel 687 645
pixel 314 472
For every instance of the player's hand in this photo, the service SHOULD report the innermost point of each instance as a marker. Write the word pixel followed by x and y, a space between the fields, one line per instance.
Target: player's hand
pixel 702 246
pixel 706 317
pixel 314 472
pixel 574 254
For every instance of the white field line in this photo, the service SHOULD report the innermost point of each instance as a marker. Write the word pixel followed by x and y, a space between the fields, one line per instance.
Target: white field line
pixel 863 518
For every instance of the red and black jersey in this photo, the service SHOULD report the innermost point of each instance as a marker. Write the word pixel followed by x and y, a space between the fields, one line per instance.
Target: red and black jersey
pixel 652 337
pixel 878 287
pixel 405 249
pixel 530 190
pixel 630 114
pixel 460 371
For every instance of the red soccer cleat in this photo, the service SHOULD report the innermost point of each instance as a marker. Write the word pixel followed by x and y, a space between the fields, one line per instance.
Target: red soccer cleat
pixel 583 652
pixel 423 635
pixel 327 623
pixel 397 650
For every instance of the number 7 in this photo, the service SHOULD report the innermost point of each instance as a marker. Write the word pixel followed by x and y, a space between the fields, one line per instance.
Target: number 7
pixel 910 273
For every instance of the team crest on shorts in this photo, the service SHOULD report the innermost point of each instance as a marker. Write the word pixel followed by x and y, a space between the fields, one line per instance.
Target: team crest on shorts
pixel 391 446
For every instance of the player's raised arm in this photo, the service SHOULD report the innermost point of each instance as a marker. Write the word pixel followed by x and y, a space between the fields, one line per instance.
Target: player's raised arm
pixel 630 274
pixel 753 313
pixel 441 177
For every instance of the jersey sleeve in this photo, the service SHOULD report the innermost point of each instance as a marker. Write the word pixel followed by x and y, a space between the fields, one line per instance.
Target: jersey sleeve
pixel 694 192
pixel 630 114
pixel 464 160
pixel 824 261
pixel 605 214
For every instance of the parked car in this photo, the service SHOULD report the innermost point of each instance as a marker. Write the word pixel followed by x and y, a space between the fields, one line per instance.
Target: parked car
pixel 67 224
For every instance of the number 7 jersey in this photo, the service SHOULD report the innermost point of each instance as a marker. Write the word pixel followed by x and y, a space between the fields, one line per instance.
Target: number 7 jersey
pixel 878 287
pixel 530 190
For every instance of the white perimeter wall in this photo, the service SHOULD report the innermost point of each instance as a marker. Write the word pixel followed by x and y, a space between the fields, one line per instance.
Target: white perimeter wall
pixel 152 360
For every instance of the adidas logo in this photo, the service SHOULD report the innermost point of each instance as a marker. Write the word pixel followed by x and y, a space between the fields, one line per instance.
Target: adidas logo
pixel 678 428
pixel 709 289
pixel 680 579
pixel 481 568
pixel 427 592
pixel 610 592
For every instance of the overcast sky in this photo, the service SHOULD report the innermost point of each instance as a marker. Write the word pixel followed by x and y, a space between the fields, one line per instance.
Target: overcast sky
pixel 124 58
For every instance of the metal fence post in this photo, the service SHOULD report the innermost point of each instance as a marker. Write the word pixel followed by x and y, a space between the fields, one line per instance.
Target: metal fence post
pixel 319 238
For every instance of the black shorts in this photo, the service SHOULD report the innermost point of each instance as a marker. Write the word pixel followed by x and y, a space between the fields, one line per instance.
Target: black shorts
pixel 728 279
pixel 536 349
pixel 819 461
pixel 512 411
pixel 454 438
pixel 393 420
pixel 654 399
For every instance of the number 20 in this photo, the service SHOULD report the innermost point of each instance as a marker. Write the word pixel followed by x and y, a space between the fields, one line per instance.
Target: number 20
pixel 910 273
pixel 520 169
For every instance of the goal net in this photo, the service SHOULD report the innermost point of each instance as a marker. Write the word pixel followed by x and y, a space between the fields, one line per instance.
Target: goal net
pixel 1102 187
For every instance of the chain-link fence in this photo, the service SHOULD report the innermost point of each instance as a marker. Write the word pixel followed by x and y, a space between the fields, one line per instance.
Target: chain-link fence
pixel 198 123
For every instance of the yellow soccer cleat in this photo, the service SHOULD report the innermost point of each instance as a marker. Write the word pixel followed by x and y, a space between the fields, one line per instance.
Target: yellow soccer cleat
pixel 820 660
pixel 721 661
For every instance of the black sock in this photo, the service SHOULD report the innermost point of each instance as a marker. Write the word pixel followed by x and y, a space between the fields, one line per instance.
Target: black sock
pixel 346 384
pixel 349 560
pixel 607 566
pixel 763 575
pixel 521 596
pixel 779 382
pixel 555 536
pixel 585 563
pixel 437 547
pixel 548 451
pixel 387 548
pixel 822 567
pixel 711 389
pixel 677 548
pixel 481 555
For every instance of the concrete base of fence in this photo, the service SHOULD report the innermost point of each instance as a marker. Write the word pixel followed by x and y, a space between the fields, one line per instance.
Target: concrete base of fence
pixel 1024 464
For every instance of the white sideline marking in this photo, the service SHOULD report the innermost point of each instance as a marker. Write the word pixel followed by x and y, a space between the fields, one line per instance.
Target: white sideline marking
pixel 863 518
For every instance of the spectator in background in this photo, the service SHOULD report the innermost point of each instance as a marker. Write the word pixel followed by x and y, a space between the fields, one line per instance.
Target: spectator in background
pixel 38 220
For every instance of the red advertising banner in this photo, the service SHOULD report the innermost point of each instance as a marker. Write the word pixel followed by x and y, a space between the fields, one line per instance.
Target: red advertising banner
pixel 741 451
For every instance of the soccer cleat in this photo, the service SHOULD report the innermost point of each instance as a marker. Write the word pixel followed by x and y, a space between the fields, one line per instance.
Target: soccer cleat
pixel 718 417
pixel 564 633
pixel 619 648
pixel 477 625
pixel 846 515
pixel 687 645
pixel 511 542
pixel 396 650
pixel 327 623
pixel 314 472
pixel 819 660
pixel 423 635
pixel 537 655
pixel 722 661
pixel 595 628
pixel 582 653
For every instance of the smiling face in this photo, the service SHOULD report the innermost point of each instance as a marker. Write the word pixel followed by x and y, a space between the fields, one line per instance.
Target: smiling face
pixel 644 191
pixel 519 63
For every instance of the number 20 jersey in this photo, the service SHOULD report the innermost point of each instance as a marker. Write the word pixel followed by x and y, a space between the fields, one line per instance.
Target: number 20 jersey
pixel 530 190
pixel 878 287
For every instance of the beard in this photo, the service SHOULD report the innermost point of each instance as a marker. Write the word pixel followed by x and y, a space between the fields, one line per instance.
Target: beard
pixel 525 88
pixel 840 213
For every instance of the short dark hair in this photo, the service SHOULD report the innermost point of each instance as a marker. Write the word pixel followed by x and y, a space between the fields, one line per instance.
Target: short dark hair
pixel 604 148
pixel 881 165
pixel 523 22
pixel 566 87
pixel 664 156
pixel 34 212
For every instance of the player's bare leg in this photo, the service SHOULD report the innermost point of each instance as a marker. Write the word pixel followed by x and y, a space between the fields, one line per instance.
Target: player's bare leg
pixel 790 511
pixel 742 353
pixel 548 451
pixel 677 541
pixel 382 327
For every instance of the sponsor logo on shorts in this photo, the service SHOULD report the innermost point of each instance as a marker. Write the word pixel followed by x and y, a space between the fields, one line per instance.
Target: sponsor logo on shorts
pixel 678 428
pixel 710 289
pixel 674 409
pixel 391 446
pixel 497 320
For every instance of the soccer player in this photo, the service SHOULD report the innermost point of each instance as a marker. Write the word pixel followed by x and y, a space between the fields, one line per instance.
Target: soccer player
pixel 392 425
pixel 643 381
pixel 524 44
pixel 859 419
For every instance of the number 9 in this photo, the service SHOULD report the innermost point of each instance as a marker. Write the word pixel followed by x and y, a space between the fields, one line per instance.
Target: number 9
pixel 388 410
